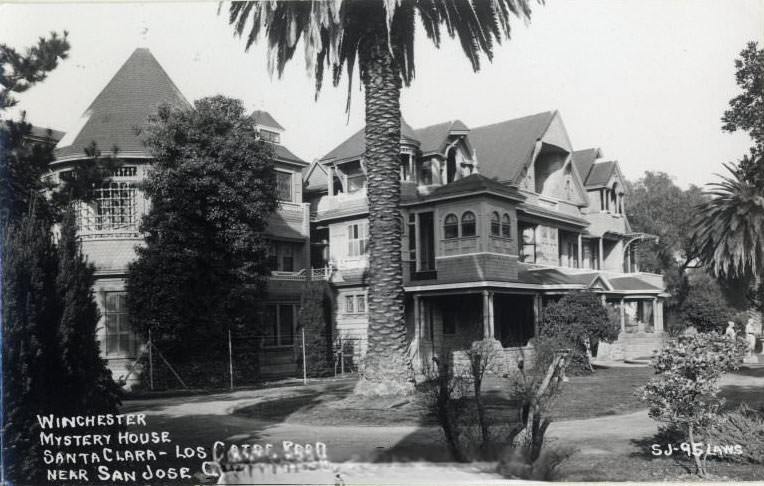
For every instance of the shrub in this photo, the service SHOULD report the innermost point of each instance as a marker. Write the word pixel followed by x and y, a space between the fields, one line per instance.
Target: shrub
pixel 580 319
pixel 684 392
pixel 705 306
pixel 743 426
pixel 315 318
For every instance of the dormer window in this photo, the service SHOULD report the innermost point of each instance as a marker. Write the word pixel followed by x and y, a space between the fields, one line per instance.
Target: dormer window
pixel 270 136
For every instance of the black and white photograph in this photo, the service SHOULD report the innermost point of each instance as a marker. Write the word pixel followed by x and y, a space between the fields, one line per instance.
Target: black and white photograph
pixel 356 242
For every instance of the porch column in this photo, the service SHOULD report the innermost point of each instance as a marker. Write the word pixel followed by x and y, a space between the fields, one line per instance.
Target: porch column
pixel 331 180
pixel 488 315
pixel 623 316
pixel 580 252
pixel 412 174
pixel 537 309
pixel 657 315
pixel 600 255
pixel 417 319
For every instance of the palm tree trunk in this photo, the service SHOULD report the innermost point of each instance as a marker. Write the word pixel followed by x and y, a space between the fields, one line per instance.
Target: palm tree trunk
pixel 387 368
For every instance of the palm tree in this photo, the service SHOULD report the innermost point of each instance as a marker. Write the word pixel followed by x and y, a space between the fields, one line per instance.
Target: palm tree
pixel 729 233
pixel 378 35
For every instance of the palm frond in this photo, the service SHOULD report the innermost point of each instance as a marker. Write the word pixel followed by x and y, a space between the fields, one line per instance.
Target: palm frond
pixel 332 30
pixel 730 226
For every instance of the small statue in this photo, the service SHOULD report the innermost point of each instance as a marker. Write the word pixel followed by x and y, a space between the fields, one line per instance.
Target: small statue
pixel 730 332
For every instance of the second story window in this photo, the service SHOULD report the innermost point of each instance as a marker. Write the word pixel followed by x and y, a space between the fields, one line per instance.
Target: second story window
pixel 468 224
pixel 355 304
pixel 270 136
pixel 284 186
pixel 451 227
pixel 113 209
pixel 357 239
pixel 495 224
pixel 506 230
pixel 425 173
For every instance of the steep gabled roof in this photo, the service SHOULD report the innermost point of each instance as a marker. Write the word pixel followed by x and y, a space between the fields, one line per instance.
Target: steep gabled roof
pixel 433 138
pixel 354 146
pixel 135 92
pixel 600 173
pixel 504 149
pixel 264 118
pixel 584 160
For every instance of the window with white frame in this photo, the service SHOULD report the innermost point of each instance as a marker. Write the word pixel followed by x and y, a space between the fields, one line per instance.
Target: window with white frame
pixel 357 239
pixel 355 304
pixel 527 242
pixel 118 338
pixel 284 185
pixel 281 256
pixel 113 209
pixel 270 136
pixel 278 324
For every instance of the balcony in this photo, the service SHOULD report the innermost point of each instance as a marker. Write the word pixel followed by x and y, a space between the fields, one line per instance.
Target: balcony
pixel 341 204
pixel 314 273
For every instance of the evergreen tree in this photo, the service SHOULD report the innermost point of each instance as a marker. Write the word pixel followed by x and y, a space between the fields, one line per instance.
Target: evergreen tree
pixel 314 319
pixel 212 189
pixel 30 317
pixel 86 382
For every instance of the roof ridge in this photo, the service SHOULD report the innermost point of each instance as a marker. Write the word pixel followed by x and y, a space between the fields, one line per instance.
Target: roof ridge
pixel 550 113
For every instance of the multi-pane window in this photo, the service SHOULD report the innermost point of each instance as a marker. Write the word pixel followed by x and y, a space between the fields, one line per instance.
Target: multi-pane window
pixel 357 239
pixel 113 209
pixel 451 227
pixel 270 136
pixel 281 256
pixel 495 224
pixel 468 224
pixel 278 324
pixel 506 230
pixel 119 340
pixel 355 304
pixel 284 185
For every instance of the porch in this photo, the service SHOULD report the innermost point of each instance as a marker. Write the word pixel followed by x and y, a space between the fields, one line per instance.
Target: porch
pixel 444 325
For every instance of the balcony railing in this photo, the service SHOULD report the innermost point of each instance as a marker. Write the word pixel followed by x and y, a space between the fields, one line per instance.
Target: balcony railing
pixel 302 275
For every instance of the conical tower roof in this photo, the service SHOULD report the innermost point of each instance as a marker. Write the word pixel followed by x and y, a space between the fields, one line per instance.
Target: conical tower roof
pixel 123 106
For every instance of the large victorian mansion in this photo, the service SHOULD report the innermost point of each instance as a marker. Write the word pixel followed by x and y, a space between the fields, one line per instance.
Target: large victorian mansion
pixel 500 219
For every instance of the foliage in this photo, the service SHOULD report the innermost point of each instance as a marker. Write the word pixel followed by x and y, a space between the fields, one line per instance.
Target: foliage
pixel 705 306
pixel 743 426
pixel 746 111
pixel 85 380
pixel 684 392
pixel 730 227
pixel 23 164
pixel 19 72
pixel 580 319
pixel 314 318
pixel 472 433
pixel 30 311
pixel 78 184
pixel 334 32
pixel 212 189
pixel 659 207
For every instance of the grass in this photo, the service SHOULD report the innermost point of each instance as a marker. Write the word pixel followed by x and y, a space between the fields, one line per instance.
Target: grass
pixel 608 391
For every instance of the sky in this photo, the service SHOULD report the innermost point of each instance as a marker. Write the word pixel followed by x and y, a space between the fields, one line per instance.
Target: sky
pixel 645 80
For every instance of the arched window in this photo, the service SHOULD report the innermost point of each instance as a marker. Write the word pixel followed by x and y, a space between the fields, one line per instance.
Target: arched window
pixel 468 224
pixel 505 226
pixel 495 225
pixel 451 226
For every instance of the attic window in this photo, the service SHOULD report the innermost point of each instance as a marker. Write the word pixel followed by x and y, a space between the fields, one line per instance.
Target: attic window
pixel 270 136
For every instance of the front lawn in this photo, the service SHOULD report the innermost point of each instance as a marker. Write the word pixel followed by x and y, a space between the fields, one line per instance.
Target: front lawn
pixel 608 391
